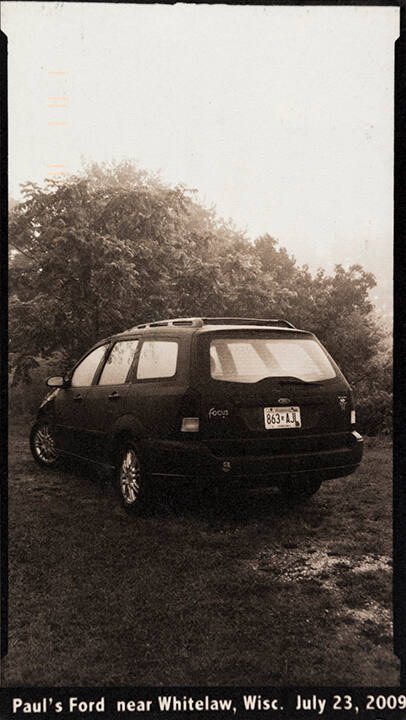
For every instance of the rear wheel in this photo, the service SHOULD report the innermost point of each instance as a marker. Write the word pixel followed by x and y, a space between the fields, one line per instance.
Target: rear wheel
pixel 42 444
pixel 130 479
pixel 299 488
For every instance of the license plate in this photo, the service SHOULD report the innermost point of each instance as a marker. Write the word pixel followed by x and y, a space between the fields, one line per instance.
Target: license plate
pixel 278 418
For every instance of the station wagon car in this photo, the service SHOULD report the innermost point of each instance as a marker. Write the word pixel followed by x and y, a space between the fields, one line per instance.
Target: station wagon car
pixel 217 401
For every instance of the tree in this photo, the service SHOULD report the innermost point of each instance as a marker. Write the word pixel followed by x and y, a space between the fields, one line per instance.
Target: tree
pixel 113 247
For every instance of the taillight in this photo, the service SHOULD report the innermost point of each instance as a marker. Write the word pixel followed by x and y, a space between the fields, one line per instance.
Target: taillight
pixel 190 412
pixel 353 417
pixel 190 424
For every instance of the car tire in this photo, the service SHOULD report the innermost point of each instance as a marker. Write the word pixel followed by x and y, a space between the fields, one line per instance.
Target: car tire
pixel 42 444
pixel 299 489
pixel 131 484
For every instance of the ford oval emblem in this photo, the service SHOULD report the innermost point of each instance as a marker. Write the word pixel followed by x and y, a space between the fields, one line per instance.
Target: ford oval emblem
pixel 284 401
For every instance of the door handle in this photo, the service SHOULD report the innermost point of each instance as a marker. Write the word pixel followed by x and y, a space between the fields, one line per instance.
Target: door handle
pixel 114 396
pixel 78 398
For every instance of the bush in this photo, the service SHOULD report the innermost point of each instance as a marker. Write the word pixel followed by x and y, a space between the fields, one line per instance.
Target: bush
pixel 374 409
pixel 24 398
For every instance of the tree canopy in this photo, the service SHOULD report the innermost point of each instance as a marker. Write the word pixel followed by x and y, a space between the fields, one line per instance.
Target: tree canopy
pixel 114 246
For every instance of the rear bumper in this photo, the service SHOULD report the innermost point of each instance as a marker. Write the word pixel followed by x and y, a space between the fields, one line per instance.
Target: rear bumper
pixel 261 461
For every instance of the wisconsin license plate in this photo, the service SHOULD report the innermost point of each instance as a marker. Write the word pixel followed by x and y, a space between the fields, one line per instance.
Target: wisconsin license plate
pixel 278 418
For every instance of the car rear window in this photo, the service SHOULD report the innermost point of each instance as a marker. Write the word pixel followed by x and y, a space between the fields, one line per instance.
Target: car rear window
pixel 248 360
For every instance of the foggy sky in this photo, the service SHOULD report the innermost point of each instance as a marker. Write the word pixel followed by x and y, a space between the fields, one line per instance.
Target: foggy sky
pixel 280 116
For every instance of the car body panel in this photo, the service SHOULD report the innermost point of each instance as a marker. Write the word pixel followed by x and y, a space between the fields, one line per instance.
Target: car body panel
pixel 69 419
pixel 104 406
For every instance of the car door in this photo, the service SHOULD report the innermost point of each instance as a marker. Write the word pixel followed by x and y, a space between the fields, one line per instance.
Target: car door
pixel 159 385
pixel 70 404
pixel 107 399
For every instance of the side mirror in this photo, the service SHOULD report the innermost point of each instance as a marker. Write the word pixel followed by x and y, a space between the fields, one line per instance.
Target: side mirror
pixel 55 382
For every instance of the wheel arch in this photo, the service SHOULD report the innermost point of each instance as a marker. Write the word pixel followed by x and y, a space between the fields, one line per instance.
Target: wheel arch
pixel 126 429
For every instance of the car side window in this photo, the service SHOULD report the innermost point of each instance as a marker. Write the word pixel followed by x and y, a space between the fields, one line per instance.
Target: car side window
pixel 118 363
pixel 158 359
pixel 84 373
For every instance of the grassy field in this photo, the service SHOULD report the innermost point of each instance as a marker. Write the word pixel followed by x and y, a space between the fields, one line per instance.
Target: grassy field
pixel 248 591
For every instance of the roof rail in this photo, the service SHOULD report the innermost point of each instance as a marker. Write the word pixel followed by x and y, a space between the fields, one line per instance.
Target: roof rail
pixel 185 322
pixel 246 321
pixel 200 321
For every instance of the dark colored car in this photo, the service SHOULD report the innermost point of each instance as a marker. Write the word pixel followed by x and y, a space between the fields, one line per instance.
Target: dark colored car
pixel 214 400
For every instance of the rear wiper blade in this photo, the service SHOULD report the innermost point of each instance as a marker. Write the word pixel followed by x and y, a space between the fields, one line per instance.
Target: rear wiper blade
pixel 297 381
pixel 286 380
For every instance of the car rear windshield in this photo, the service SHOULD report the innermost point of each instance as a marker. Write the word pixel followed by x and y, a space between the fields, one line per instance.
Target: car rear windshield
pixel 248 360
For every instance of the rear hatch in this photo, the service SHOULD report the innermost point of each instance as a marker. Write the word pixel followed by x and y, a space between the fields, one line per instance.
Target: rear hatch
pixel 260 385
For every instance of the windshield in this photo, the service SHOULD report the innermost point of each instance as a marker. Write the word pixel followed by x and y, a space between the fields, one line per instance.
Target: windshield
pixel 248 360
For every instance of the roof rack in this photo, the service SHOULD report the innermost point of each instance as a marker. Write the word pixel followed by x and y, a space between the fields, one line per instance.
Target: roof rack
pixel 178 322
pixel 200 321
pixel 246 321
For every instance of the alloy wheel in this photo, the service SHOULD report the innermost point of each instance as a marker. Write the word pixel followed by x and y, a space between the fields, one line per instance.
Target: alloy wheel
pixel 130 477
pixel 44 445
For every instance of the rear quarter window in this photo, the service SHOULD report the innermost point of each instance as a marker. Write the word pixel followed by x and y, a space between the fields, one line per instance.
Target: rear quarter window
pixel 158 359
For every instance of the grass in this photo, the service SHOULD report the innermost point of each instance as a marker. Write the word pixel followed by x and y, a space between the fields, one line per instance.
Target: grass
pixel 245 591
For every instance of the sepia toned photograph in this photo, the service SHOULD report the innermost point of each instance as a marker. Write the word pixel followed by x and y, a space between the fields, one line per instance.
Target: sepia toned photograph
pixel 200 346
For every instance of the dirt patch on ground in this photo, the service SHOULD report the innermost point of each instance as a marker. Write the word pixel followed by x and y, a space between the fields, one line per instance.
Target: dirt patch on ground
pixel 337 574
pixel 295 564
pixel 374 613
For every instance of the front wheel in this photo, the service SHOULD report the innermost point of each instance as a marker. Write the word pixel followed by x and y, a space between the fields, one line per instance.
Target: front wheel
pixel 299 489
pixel 42 444
pixel 130 480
